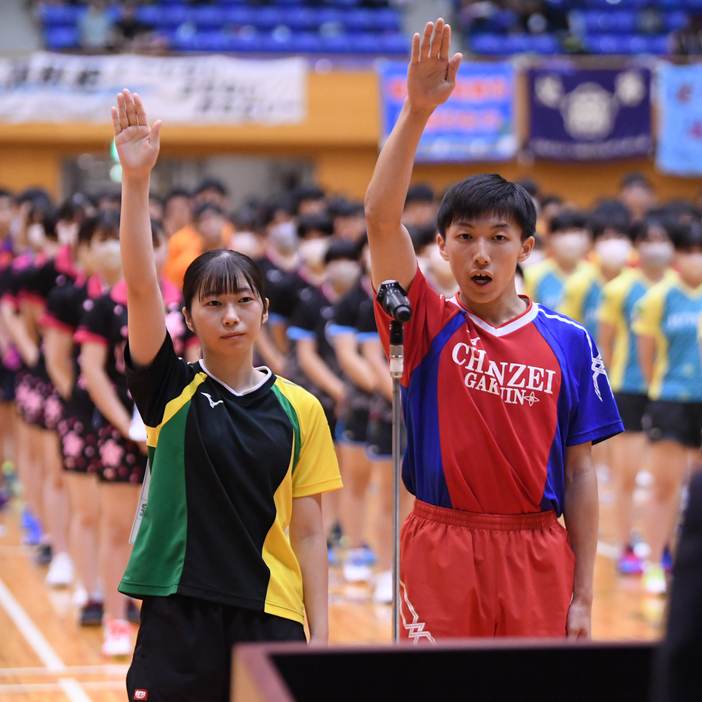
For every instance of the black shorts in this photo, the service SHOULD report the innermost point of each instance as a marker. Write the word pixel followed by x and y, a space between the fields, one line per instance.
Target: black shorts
pixel 121 460
pixel 184 647
pixel 7 384
pixel 674 421
pixel 354 427
pixel 632 407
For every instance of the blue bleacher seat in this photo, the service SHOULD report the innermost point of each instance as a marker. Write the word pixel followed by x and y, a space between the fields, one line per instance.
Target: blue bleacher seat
pixel 345 3
pixel 395 43
pixel 239 16
pixel 157 16
pixel 627 44
pixel 208 16
pixel 387 20
pixel 487 44
pixel 61 15
pixel 265 17
pixel 60 38
pixel 359 20
pixel 502 21
pixel 338 44
pixel 603 22
pixel 299 19
pixel 675 20
pixel 306 43
pixel 231 3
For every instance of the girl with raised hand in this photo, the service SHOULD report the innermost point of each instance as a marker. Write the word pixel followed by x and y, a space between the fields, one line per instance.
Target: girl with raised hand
pixel 238 457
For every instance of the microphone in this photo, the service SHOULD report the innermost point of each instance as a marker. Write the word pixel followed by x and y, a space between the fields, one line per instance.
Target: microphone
pixel 393 300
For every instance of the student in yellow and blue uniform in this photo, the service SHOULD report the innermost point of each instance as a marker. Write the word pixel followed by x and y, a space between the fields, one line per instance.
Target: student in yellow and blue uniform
pixel 666 324
pixel 568 243
pixel 582 291
pixel 231 546
pixel 617 343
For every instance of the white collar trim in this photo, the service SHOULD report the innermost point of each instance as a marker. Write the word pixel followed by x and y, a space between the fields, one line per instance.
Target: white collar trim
pixel 521 321
pixel 264 369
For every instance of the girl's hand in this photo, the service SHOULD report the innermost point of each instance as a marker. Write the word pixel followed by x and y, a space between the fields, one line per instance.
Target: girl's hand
pixel 137 143
pixel 431 76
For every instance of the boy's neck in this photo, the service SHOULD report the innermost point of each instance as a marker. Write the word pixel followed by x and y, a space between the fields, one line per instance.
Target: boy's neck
pixel 499 311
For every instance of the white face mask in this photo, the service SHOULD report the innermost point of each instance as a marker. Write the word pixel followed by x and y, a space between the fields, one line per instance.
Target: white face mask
pixel 67 232
pixel 312 252
pixel 284 238
pixel 570 247
pixel 36 235
pixel 657 254
pixel 106 254
pixel 342 274
pixel 246 243
pixel 613 252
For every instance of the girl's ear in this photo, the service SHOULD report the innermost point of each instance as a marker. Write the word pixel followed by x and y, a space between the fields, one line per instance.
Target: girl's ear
pixel 264 316
pixel 188 320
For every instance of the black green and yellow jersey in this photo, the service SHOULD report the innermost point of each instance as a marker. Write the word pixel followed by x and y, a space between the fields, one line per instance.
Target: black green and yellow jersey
pixel 225 469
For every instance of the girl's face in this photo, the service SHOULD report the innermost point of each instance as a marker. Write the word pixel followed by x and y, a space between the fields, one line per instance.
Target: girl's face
pixel 105 251
pixel 227 324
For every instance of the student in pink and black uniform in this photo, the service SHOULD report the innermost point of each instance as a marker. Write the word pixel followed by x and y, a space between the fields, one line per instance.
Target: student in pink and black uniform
pixel 102 335
pixel 65 306
pixel 502 399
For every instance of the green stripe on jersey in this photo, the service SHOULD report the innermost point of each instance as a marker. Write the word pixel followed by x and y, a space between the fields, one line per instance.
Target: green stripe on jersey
pixel 292 416
pixel 159 552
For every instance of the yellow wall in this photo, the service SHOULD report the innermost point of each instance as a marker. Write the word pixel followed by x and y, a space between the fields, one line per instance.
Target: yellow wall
pixel 340 135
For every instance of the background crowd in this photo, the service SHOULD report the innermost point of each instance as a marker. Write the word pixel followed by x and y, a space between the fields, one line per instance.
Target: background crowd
pixel 629 269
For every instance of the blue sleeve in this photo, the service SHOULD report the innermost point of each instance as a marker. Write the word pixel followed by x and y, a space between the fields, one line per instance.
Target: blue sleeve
pixel 594 416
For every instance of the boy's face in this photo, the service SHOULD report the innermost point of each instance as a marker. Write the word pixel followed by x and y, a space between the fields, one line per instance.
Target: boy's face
pixel 484 255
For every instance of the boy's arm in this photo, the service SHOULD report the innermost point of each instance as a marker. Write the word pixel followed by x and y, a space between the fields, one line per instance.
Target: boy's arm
pixel 431 78
pixel 581 511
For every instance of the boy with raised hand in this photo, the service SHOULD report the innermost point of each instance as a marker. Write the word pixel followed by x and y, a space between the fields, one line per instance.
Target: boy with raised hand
pixel 502 400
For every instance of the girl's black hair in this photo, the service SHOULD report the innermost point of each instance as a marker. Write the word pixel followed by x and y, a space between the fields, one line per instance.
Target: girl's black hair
pixel 108 220
pixel 686 235
pixel 87 230
pixel 222 272
pixel 483 195
pixel 639 230
pixel 342 251
pixel 47 215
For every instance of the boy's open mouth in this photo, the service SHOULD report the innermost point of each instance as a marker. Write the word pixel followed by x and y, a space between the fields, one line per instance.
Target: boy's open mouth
pixel 481 278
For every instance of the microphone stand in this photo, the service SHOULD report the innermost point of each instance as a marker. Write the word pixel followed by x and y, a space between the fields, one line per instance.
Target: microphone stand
pixel 396 357
pixel 395 304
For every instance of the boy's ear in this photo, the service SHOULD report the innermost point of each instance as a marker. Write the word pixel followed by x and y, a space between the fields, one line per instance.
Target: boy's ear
pixel 527 248
pixel 188 320
pixel 441 241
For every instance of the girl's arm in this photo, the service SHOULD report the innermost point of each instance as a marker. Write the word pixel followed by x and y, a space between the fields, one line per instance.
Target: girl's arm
pixel 646 346
pixel 15 323
pixel 316 369
pixel 138 145
pixel 58 347
pixel 352 363
pixel 606 332
pixel 92 362
pixel 310 546
pixel 374 354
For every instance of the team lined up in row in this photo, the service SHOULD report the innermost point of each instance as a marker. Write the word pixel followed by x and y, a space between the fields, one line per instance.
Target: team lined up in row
pixel 633 277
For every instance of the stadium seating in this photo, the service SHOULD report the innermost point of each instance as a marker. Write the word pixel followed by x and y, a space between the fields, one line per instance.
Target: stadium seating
pixel 235 26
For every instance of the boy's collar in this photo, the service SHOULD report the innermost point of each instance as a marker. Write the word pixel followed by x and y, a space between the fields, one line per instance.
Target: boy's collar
pixel 512 325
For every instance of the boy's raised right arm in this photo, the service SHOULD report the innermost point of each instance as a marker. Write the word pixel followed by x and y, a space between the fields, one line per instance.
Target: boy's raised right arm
pixel 431 78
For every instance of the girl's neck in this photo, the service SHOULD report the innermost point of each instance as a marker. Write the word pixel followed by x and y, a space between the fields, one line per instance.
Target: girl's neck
pixel 112 277
pixel 235 371
pixel 654 274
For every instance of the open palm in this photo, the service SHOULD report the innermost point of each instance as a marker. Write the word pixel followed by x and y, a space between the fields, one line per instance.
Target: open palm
pixel 431 76
pixel 137 143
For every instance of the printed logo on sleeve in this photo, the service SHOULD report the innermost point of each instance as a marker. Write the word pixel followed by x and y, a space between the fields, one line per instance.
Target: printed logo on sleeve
pixel 141 694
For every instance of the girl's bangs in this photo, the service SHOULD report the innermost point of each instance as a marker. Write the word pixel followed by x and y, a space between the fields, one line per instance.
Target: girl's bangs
pixel 225 276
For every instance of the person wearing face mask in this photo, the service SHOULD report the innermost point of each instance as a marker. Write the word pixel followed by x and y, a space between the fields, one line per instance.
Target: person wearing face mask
pixel 433 266
pixel 666 325
pixel 205 235
pixel 613 249
pixel 617 343
pixel 102 336
pixel 38 402
pixel 311 361
pixel 568 244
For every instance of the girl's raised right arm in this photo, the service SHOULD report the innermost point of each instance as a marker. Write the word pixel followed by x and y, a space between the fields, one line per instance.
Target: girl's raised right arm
pixel 138 145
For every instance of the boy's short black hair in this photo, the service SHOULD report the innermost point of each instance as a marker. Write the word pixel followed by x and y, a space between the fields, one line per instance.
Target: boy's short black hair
pixel 635 178
pixel 569 219
pixel 173 193
pixel 547 200
pixel 420 193
pixel 321 222
pixel 600 223
pixel 639 230
pixel 211 184
pixel 686 235
pixel 487 194
pixel 204 207
pixel 342 250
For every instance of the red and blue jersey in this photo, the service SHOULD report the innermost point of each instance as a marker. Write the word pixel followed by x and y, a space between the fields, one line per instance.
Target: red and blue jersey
pixel 490 411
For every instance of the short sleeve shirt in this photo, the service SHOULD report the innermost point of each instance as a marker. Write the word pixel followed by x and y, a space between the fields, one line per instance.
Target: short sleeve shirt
pixel 490 411
pixel 225 468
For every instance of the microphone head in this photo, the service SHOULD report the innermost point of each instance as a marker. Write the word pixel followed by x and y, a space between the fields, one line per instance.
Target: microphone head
pixel 403 314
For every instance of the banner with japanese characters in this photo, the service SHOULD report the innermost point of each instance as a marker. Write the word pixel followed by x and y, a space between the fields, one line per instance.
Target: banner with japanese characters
pixel 477 122
pixel 582 115
pixel 47 87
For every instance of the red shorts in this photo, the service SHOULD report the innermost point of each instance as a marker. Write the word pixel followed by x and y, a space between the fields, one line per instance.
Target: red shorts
pixel 465 574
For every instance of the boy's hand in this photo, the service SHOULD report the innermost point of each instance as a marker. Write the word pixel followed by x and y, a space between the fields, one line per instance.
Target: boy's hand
pixel 431 76
pixel 137 143
pixel 578 623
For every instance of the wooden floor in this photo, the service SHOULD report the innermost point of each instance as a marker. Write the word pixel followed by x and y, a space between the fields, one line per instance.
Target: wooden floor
pixel 45 656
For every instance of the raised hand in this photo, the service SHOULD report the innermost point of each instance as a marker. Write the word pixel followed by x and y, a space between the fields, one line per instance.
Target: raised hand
pixel 137 143
pixel 431 76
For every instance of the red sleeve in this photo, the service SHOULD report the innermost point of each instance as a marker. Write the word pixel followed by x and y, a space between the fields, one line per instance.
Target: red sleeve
pixel 430 314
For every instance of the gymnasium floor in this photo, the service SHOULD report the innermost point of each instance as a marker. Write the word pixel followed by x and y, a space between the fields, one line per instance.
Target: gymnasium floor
pixel 46 657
